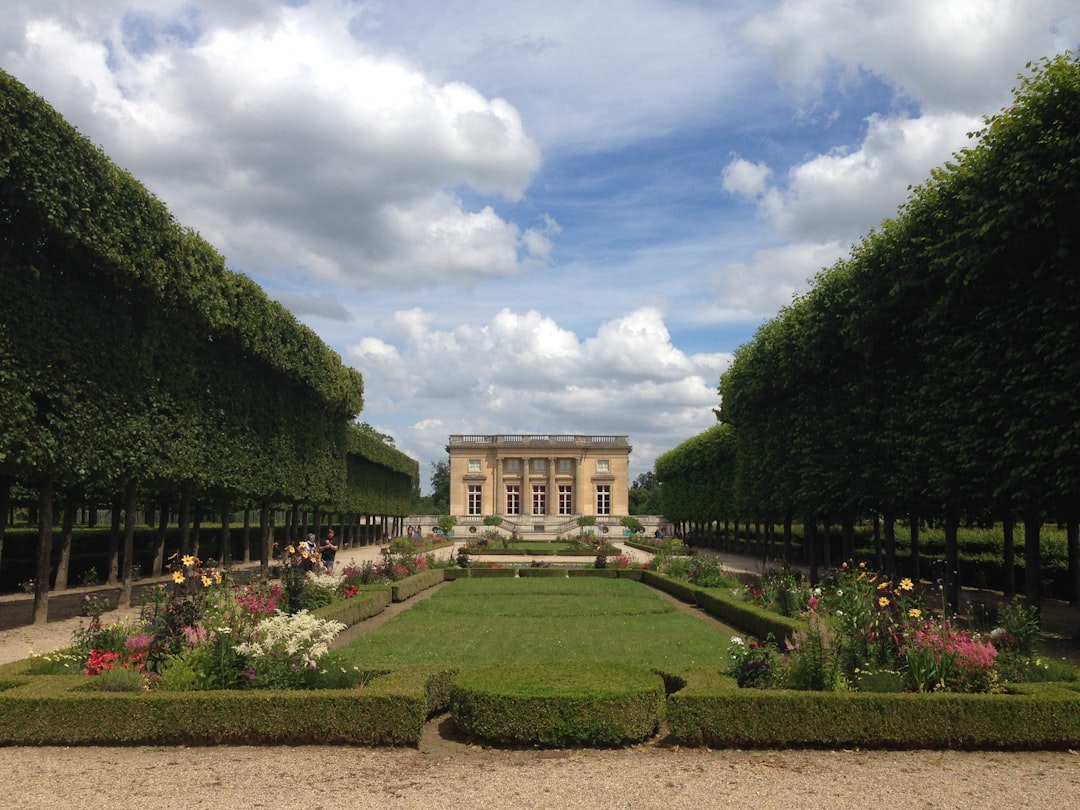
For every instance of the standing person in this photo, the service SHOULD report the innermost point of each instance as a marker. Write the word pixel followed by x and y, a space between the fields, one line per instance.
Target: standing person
pixel 308 551
pixel 328 550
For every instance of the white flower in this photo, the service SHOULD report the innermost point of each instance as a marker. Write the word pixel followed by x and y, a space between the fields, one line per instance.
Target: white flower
pixel 736 640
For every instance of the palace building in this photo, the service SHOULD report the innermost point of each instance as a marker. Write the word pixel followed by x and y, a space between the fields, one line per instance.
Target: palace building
pixel 539 480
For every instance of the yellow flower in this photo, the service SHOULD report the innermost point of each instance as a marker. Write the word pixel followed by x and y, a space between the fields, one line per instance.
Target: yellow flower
pixel 206 581
pixel 290 549
pixel 862 565
pixel 844 566
pixel 907 585
pixel 217 577
pixel 177 577
pixel 883 601
pixel 187 559
pixel 914 613
pixel 882 586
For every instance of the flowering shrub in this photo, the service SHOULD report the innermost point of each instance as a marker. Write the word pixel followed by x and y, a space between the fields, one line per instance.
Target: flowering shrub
pixel 752 663
pixel 862 625
pixel 204 632
pixel 284 649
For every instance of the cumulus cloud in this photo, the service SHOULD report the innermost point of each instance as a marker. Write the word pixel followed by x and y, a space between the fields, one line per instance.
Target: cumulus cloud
pixel 824 205
pixel 745 179
pixel 523 373
pixel 954 55
pixel 292 147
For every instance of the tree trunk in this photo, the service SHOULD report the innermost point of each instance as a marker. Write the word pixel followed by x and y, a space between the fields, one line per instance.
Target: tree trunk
pixel 914 560
pixel 890 544
pixel 878 560
pixel 810 541
pixel 1032 558
pixel 44 552
pixel 225 538
pixel 826 542
pixel 114 543
pixel 5 505
pixel 1073 533
pixel 67 533
pixel 129 543
pixel 159 538
pixel 1008 526
pixel 184 520
pixel 266 535
pixel 247 535
pixel 952 558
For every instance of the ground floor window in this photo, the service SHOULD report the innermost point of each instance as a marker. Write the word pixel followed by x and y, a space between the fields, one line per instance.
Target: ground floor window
pixel 539 500
pixel 566 499
pixel 513 500
pixel 603 500
pixel 476 500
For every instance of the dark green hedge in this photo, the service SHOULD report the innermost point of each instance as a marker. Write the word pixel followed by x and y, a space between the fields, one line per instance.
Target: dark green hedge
pixel 601 705
pixel 711 710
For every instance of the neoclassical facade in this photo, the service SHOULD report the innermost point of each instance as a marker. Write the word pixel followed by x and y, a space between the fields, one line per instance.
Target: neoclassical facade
pixel 524 478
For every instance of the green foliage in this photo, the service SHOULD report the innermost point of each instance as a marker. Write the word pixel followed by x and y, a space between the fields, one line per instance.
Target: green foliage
pixel 597 705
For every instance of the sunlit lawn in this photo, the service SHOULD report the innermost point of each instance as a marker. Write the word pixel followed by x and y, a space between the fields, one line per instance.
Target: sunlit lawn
pixel 481 622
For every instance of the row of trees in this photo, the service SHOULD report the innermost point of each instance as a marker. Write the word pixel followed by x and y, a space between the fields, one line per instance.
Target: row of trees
pixel 932 374
pixel 132 362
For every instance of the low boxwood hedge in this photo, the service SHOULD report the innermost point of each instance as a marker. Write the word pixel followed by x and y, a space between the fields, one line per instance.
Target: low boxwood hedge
pixel 369 601
pixel 712 710
pixel 58 710
pixel 600 705
pixel 413 584
pixel 542 572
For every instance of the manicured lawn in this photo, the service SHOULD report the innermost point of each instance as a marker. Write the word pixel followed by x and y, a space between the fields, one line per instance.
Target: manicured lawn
pixel 483 622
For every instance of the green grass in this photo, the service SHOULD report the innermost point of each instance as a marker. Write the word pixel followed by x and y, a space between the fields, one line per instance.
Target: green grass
pixel 488 622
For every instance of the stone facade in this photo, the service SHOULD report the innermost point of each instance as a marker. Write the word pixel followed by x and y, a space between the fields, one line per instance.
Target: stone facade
pixel 539 478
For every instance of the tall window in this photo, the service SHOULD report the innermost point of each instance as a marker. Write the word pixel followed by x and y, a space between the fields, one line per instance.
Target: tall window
pixel 539 465
pixel 539 500
pixel 603 465
pixel 474 465
pixel 603 500
pixel 566 465
pixel 513 500
pixel 566 499
pixel 513 465
pixel 476 500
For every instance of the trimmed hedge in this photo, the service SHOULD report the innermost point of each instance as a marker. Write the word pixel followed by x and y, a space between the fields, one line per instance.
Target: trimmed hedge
pixel 748 617
pixel 712 710
pixel 542 572
pixel 58 710
pixel 603 573
pixel 365 604
pixel 678 588
pixel 412 585
pixel 602 705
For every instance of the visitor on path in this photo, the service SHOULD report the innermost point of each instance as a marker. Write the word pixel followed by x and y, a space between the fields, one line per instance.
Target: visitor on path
pixel 328 551
pixel 308 550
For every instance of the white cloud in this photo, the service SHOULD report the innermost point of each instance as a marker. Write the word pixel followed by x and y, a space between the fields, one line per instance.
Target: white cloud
pixel 745 179
pixel 843 194
pixel 951 55
pixel 290 146
pixel 523 373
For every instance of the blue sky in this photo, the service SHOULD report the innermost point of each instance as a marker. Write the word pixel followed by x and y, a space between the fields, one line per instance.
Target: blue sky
pixel 531 217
